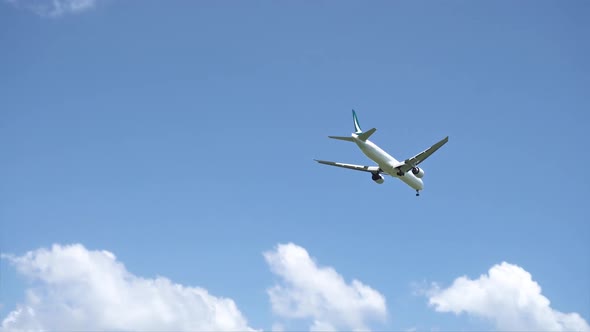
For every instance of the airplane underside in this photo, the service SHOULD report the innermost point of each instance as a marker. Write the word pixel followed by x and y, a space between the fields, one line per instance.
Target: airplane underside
pixel 407 171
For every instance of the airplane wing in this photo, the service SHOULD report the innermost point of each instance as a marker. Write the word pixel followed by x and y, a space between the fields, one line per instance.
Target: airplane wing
pixel 370 169
pixel 420 157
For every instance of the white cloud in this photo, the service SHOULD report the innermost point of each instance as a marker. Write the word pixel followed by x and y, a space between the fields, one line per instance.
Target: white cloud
pixel 78 289
pixel 54 8
pixel 277 327
pixel 308 291
pixel 509 297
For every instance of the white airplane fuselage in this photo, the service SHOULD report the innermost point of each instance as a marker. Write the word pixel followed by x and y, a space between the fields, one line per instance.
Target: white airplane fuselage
pixel 386 162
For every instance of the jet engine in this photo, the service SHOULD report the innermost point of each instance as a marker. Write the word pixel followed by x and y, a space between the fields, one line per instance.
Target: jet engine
pixel 418 172
pixel 378 178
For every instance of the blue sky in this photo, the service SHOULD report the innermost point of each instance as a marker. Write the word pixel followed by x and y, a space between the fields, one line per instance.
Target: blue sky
pixel 180 136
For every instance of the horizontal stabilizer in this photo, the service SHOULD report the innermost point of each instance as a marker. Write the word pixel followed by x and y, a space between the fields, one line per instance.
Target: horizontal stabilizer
pixel 343 138
pixel 365 136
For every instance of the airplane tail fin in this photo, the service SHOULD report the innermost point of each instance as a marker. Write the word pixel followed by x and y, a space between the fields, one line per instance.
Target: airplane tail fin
pixel 355 120
pixel 363 136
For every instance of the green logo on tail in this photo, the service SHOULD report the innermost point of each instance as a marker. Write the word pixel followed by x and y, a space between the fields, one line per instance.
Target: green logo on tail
pixel 357 127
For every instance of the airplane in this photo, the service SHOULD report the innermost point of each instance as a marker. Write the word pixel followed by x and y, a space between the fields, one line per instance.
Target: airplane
pixel 407 171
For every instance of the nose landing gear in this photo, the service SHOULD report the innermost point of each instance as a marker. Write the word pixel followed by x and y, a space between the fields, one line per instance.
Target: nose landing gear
pixel 417 193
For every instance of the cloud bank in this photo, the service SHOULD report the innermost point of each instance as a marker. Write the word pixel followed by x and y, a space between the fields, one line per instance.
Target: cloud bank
pixel 54 8
pixel 509 297
pixel 79 289
pixel 308 291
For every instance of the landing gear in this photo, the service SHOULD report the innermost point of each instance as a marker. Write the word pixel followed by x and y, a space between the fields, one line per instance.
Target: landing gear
pixel 400 173
pixel 417 193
